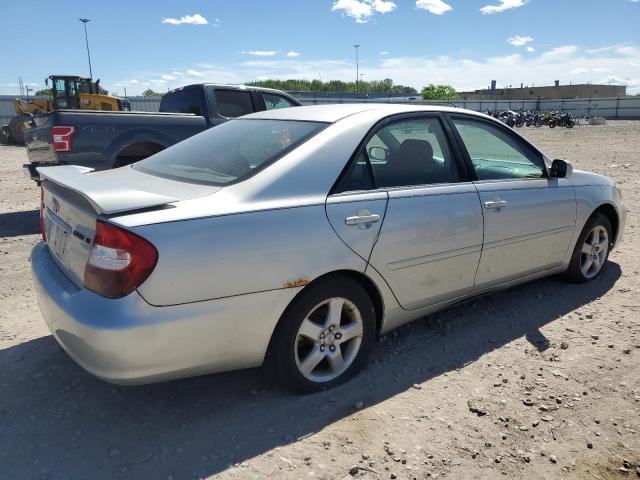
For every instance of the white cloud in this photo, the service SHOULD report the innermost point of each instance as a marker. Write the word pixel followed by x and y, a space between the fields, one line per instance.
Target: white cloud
pixel 260 53
pixel 362 10
pixel 519 41
pixel 384 52
pixel 504 5
pixel 196 19
pixel 383 6
pixel 569 63
pixel 531 49
pixel 437 7
pixel 293 54
pixel 560 54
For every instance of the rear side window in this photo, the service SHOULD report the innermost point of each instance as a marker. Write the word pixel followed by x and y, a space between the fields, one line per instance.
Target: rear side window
pixel 230 152
pixel 188 100
pixel 233 103
pixel 273 101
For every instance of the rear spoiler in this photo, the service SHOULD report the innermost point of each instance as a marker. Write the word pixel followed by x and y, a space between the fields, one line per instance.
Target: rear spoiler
pixel 105 197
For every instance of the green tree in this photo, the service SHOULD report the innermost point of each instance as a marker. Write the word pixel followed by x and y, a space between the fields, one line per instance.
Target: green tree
pixel 439 92
pixel 150 93
pixel 374 86
pixel 45 92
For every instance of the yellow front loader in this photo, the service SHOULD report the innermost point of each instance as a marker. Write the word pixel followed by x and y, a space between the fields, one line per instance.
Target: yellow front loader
pixel 67 91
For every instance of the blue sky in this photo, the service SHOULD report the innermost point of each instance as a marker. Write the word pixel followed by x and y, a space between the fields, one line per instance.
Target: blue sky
pixel 163 44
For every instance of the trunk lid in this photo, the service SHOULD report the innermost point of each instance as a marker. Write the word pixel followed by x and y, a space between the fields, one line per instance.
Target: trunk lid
pixel 75 197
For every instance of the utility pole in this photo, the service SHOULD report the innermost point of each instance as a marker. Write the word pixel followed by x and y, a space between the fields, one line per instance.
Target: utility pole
pixel 356 46
pixel 86 39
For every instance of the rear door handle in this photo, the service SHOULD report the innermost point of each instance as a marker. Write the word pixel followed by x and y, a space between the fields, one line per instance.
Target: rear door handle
pixel 360 219
pixel 495 204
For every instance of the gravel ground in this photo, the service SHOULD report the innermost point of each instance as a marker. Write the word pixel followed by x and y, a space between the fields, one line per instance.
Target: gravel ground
pixel 552 370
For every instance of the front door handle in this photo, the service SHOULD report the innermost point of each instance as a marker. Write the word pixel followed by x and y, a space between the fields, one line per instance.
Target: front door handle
pixel 360 219
pixel 495 204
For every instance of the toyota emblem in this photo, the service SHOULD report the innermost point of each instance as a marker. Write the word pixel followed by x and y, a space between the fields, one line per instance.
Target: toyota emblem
pixel 55 205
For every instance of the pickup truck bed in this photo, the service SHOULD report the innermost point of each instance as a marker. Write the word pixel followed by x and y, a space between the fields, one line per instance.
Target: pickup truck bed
pixel 102 140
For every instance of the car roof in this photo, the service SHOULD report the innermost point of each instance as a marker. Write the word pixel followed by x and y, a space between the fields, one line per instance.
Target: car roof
pixel 233 87
pixel 335 112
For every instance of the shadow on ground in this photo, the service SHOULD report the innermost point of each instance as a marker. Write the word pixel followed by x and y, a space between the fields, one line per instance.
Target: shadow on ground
pixel 57 421
pixel 16 224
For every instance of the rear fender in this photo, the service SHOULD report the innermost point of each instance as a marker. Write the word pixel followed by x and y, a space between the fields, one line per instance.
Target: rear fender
pixel 127 139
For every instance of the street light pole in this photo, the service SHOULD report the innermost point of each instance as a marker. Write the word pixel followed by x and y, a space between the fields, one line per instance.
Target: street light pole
pixel 356 46
pixel 86 39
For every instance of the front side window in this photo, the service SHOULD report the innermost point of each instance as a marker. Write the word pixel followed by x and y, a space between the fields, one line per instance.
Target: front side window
pixel 495 154
pixel 273 101
pixel 229 152
pixel 233 103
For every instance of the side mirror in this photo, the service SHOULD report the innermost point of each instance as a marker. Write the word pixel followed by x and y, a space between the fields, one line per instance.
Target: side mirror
pixel 46 82
pixel 378 153
pixel 560 169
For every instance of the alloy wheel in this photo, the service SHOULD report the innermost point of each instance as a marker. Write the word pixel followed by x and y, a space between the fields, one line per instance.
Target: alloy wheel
pixel 328 340
pixel 594 251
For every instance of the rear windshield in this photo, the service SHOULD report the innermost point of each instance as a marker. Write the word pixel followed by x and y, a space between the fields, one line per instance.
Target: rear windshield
pixel 229 152
pixel 188 100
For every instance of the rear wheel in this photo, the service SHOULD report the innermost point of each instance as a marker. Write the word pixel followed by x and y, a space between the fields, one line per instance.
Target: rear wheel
pixel 17 127
pixel 592 250
pixel 324 337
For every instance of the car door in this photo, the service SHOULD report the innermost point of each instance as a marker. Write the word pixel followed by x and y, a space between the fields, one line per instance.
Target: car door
pixel 528 217
pixel 429 244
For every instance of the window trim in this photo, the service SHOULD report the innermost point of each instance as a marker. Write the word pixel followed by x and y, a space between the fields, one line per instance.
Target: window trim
pixel 522 142
pixel 457 155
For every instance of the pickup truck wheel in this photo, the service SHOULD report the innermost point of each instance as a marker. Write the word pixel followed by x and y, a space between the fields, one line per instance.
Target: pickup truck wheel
pixel 17 127
pixel 324 337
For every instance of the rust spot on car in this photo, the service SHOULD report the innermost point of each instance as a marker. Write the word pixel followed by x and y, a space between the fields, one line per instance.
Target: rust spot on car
pixel 298 282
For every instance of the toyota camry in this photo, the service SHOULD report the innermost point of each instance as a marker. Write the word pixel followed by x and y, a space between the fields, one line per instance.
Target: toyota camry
pixel 292 238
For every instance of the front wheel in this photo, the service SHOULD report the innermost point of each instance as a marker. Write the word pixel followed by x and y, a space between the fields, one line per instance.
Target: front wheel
pixel 17 127
pixel 591 251
pixel 570 124
pixel 324 337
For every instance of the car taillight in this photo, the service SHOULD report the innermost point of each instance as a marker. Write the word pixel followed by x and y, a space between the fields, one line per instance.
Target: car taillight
pixel 62 138
pixel 42 230
pixel 119 261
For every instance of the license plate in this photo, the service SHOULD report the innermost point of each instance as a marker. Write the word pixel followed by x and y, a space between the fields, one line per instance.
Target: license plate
pixel 57 239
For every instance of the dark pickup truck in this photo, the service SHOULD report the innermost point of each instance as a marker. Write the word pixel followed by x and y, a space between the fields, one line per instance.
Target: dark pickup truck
pixel 104 140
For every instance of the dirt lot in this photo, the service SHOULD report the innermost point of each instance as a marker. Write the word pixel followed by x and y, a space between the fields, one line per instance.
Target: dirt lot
pixel 570 351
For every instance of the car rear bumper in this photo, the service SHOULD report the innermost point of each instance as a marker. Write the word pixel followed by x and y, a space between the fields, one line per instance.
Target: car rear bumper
pixel 129 341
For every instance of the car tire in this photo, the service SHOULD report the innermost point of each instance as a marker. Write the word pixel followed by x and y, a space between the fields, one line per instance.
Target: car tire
pixel 591 253
pixel 310 351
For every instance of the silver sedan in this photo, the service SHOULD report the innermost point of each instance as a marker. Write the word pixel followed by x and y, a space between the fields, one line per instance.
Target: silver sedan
pixel 292 238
